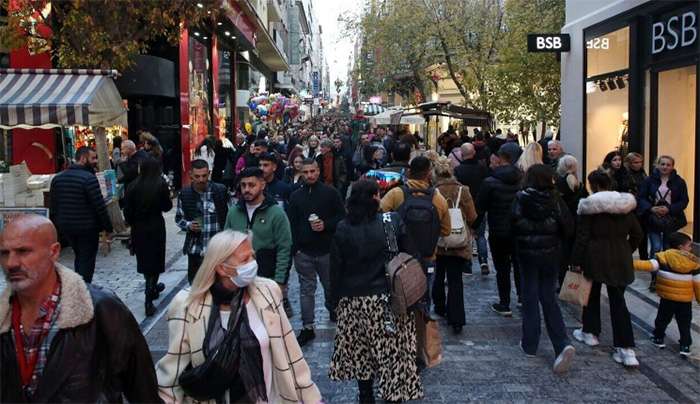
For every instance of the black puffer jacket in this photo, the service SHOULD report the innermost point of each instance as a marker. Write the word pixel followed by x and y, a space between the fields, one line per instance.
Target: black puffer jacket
pixel 97 355
pixel 540 221
pixel 77 206
pixel 496 198
pixel 358 253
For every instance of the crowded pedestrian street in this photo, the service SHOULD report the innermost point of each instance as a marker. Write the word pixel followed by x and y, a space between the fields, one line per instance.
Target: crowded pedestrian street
pixel 361 201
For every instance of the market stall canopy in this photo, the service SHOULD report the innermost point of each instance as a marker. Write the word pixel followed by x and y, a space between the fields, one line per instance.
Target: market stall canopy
pixel 372 109
pixel 471 117
pixel 389 117
pixel 46 98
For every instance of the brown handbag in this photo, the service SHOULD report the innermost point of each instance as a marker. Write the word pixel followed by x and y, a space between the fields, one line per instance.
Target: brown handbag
pixel 405 276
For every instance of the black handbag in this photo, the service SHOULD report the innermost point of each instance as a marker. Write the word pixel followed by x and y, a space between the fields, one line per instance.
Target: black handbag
pixel 666 223
pixel 210 380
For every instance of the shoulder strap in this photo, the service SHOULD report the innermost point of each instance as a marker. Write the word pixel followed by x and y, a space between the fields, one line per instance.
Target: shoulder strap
pixel 390 236
pixel 459 197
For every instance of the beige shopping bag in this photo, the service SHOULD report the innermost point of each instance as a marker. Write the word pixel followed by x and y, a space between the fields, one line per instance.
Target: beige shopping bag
pixel 575 288
pixel 428 340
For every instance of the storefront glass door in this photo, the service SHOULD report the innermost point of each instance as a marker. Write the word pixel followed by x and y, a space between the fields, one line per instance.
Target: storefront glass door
pixel 676 126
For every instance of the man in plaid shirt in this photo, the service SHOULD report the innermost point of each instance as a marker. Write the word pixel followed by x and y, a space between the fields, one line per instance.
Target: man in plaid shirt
pixel 201 212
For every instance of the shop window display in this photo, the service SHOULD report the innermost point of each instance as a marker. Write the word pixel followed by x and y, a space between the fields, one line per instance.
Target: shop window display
pixel 677 126
pixel 200 92
pixel 607 96
pixel 225 102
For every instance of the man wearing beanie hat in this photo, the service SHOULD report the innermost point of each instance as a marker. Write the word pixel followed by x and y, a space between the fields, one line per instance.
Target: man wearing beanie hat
pixel 512 150
pixel 496 198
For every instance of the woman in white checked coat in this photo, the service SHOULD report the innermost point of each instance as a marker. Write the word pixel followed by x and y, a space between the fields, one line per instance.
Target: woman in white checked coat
pixel 226 297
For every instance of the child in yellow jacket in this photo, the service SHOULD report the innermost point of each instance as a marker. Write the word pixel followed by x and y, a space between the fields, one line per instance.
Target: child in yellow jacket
pixel 677 282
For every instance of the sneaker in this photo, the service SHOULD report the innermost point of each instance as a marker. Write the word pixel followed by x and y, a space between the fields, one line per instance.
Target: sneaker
pixel 520 344
pixel 564 359
pixel 305 336
pixel 626 357
pixel 658 342
pixel 685 351
pixel 501 309
pixel 485 269
pixel 585 337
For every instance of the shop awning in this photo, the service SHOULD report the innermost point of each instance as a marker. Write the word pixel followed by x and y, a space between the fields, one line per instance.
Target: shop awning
pixel 392 117
pixel 46 98
pixel 372 109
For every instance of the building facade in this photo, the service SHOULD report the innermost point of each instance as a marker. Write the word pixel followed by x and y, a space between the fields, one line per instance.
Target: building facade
pixel 629 83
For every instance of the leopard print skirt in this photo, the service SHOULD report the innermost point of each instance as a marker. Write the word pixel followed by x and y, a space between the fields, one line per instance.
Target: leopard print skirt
pixel 364 351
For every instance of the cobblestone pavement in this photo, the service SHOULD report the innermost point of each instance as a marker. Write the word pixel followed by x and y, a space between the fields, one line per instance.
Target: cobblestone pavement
pixel 484 363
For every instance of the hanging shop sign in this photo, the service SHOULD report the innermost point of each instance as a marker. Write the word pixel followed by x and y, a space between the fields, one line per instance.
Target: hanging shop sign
pixel 675 30
pixel 548 43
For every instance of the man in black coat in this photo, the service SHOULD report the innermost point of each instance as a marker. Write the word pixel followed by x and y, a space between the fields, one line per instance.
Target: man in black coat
pixel 78 210
pixel 97 352
pixel 496 198
pixel 130 167
pixel 471 172
pixel 314 212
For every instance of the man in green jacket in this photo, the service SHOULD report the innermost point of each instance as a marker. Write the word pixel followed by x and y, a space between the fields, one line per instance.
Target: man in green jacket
pixel 272 237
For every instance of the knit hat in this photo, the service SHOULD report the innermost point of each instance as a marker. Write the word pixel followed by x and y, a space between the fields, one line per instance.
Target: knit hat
pixel 511 149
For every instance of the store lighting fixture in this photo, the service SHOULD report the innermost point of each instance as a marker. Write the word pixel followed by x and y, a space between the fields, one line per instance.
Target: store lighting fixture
pixel 219 23
pixel 602 85
pixel 620 82
pixel 200 5
pixel 205 37
pixel 196 33
pixel 612 85
pixel 590 87
pixel 227 33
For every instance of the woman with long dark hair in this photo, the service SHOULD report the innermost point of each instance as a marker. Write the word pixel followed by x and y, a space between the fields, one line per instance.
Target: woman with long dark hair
pixel 146 198
pixel 541 221
pixel 364 349
pixel 622 180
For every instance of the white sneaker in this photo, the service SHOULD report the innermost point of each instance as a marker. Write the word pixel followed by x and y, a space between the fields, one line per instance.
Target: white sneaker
pixel 626 357
pixel 564 359
pixel 585 337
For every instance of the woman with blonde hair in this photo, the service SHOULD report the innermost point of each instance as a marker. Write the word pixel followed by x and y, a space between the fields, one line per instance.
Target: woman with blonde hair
pixel 452 260
pixel 531 155
pixel 571 190
pixel 229 337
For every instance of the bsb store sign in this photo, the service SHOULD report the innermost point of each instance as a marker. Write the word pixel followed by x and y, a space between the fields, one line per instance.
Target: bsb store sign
pixel 674 31
pixel 548 43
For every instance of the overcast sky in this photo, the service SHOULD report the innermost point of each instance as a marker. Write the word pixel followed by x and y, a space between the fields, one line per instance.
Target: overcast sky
pixel 336 47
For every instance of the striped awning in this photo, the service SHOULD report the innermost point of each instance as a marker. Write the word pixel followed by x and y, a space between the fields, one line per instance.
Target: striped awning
pixel 46 98
pixel 372 109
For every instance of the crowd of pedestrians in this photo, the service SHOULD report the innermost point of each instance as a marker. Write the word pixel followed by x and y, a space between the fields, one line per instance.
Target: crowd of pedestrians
pixel 333 200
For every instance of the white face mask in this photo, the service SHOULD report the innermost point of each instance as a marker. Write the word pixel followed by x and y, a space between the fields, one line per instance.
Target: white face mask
pixel 246 273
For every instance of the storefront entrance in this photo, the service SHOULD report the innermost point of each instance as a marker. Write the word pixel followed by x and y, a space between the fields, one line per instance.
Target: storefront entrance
pixel 641 91
pixel 676 125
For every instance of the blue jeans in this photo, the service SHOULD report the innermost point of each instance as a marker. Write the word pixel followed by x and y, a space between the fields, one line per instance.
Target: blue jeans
pixel 658 241
pixel 481 243
pixel 538 281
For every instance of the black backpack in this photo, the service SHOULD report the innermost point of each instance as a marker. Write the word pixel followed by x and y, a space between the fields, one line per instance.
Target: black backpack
pixel 421 219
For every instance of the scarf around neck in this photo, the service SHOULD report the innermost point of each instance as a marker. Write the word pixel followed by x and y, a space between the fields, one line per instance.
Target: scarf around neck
pixel 248 376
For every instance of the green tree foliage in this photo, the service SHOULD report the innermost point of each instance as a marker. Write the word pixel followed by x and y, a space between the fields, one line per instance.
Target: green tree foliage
pixel 100 33
pixel 481 44
pixel 527 85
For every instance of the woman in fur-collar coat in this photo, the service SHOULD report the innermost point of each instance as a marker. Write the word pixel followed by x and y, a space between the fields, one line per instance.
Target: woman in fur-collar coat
pixel 606 235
